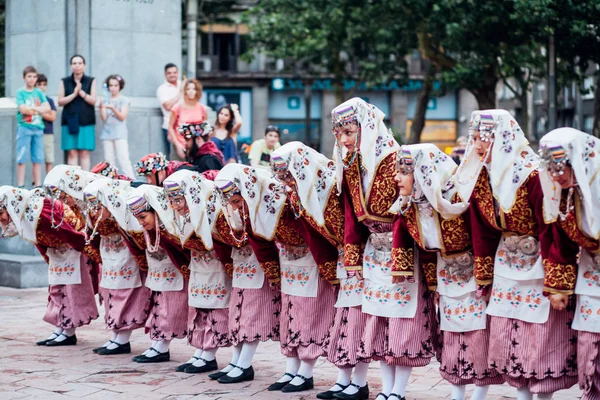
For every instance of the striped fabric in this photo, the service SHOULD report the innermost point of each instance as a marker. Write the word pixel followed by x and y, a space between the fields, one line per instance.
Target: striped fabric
pixel 305 322
pixel 254 314
pixel 72 306
pixel 168 315
pixel 407 342
pixel 208 329
pixel 126 309
pixel 541 357
pixel 342 346
pixel 588 364
pixel 464 358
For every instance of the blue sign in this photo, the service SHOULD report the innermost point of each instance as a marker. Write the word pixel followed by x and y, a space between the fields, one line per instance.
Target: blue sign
pixel 294 103
pixel 279 84
pixel 432 104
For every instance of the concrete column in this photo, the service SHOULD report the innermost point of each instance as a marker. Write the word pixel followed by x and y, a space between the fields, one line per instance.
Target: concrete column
pixel 260 111
pixel 328 103
pixel 398 113
pixel 467 103
pixel 192 37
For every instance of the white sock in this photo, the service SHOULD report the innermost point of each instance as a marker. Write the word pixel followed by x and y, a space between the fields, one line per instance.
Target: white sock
pixel 245 360
pixel 152 344
pixel 65 334
pixel 209 355
pixel 54 335
pixel 344 376
pixel 235 356
pixel 195 357
pixel 401 377
pixel 387 378
pixel 120 338
pixel 360 374
pixel 458 392
pixel 545 396
pixel 305 370
pixel 292 364
pixel 480 392
pixel 162 346
pixel 524 394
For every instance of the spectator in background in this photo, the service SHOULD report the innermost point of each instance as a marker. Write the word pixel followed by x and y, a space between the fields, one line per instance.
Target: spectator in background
pixel 49 118
pixel 77 96
pixel 200 150
pixel 227 125
pixel 260 152
pixel 187 112
pixel 169 94
pixel 31 105
pixel 458 152
pixel 114 131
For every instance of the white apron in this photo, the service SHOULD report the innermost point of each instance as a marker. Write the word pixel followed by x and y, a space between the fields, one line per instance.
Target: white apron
pixel 163 275
pixel 247 272
pixel 519 281
pixel 299 271
pixel 461 310
pixel 587 313
pixel 209 286
pixel 350 291
pixel 119 269
pixel 381 297
pixel 64 265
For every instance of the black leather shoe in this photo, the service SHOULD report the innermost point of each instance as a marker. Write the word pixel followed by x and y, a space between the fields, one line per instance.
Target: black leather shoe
pixel 384 396
pixel 247 375
pixel 219 374
pixel 207 367
pixel 97 349
pixel 328 395
pixel 120 349
pixel 308 384
pixel 362 394
pixel 160 357
pixel 69 341
pixel 45 341
pixel 280 385
pixel 394 395
pixel 182 367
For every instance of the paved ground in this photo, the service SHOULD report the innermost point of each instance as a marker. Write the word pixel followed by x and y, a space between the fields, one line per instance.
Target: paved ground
pixel 31 372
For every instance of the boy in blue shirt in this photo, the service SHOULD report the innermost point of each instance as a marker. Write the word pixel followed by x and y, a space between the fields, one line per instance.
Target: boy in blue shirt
pixel 31 104
pixel 49 118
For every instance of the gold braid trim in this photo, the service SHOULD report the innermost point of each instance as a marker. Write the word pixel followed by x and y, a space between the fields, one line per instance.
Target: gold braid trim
pixel 353 256
pixel 92 252
pixel 430 270
pixel 484 270
pixel 272 270
pixel 185 271
pixel 328 270
pixel 559 278
pixel 229 269
pixel 403 262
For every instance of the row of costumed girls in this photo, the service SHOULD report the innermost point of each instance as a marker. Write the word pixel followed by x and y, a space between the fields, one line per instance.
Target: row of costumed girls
pixel 386 253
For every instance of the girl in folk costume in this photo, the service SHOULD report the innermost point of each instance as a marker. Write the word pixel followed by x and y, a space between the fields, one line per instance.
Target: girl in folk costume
pixel 50 226
pixel 107 170
pixel 195 206
pixel 430 221
pixel 531 342
pixel 155 168
pixel 571 188
pixel 366 158
pixel 313 180
pixel 255 302
pixel 167 272
pixel 307 296
pixel 65 184
pixel 124 265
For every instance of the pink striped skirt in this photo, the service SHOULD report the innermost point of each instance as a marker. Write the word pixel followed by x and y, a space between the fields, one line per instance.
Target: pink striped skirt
pixel 254 314
pixel 588 364
pixel 407 342
pixel 305 322
pixel 169 314
pixel 342 345
pixel 464 358
pixel 208 328
pixel 126 309
pixel 541 357
pixel 72 306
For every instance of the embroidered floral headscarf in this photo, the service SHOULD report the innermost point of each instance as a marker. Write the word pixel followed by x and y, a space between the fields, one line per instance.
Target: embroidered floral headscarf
pixel 113 195
pixel 150 197
pixel 568 146
pixel 24 207
pixel 69 179
pixel 512 160
pixel 313 172
pixel 263 194
pixel 375 140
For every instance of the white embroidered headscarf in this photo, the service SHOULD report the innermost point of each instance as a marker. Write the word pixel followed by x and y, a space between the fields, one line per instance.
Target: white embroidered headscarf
pixel 152 196
pixel 201 199
pixel 512 160
pixel 263 194
pixel 69 179
pixel 24 207
pixel 432 171
pixel 376 141
pixel 113 194
pixel 313 172
pixel 568 146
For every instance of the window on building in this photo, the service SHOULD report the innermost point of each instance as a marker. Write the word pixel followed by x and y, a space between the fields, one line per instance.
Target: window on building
pixel 588 124
pixel 540 126
pixel 539 93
